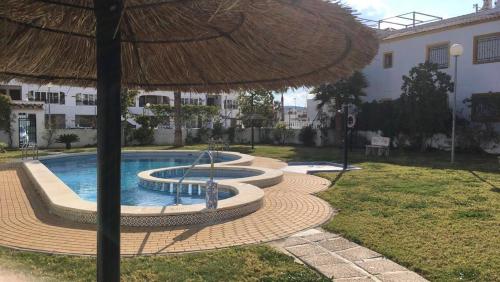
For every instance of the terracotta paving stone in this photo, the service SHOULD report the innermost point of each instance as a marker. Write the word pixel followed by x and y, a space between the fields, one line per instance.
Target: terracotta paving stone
pixel 288 208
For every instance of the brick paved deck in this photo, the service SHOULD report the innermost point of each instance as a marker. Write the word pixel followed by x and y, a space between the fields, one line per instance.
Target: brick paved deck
pixel 288 208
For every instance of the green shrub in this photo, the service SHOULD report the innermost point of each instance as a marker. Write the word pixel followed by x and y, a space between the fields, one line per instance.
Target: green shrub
pixel 217 130
pixel 144 135
pixel 189 138
pixel 67 139
pixel 282 133
pixel 2 147
pixel 231 134
pixel 265 136
pixel 6 116
pixel 307 136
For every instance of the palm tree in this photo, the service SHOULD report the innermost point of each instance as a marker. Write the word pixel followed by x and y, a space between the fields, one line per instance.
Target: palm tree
pixel 337 94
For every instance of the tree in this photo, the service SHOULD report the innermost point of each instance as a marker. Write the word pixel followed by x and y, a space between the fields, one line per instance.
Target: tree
pixel 307 136
pixel 145 134
pixel 5 116
pixel 424 109
pixel 178 142
pixel 257 108
pixel 282 133
pixel 127 100
pixel 335 95
pixel 165 112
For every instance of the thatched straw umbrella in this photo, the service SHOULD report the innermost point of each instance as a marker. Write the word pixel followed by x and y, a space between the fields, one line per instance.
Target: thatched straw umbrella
pixel 179 45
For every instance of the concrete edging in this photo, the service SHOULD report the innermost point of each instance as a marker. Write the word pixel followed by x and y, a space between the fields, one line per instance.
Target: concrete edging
pixel 63 202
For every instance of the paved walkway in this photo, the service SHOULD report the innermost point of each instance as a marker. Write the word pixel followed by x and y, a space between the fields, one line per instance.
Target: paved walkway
pixel 288 208
pixel 343 260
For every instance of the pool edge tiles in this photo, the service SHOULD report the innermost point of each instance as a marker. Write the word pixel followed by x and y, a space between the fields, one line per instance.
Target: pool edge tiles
pixel 64 202
pixel 260 177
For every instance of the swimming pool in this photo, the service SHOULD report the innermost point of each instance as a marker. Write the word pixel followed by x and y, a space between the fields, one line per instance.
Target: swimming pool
pixel 79 173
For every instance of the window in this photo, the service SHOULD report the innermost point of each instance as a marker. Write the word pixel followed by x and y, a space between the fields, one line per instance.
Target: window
pixel 13 91
pixel 191 101
pixel 51 97
pixel 388 60
pixel 86 99
pixel 55 121
pixel 439 54
pixel 230 104
pixel 15 94
pixel 85 121
pixel 486 107
pixel 153 100
pixel 487 48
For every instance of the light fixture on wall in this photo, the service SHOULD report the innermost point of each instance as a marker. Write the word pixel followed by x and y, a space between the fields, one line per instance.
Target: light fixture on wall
pixel 456 51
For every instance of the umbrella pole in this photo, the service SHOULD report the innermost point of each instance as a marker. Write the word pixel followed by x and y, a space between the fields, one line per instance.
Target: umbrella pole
pixel 108 54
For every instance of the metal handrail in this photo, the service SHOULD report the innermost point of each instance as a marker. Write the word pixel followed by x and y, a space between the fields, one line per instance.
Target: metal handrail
pixel 26 148
pixel 196 162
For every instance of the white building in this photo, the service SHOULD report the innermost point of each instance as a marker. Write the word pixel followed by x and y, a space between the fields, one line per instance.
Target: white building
pixel 478 68
pixel 296 117
pixel 75 107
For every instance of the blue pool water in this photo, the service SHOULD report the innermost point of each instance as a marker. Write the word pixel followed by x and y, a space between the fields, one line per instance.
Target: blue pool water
pixel 80 174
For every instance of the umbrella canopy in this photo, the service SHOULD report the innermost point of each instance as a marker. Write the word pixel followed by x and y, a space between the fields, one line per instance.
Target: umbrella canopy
pixel 187 45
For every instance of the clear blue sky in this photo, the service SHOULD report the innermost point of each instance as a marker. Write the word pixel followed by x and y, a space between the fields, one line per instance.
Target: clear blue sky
pixel 379 9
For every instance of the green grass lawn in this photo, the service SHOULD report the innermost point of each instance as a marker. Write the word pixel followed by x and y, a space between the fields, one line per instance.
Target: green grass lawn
pixel 254 263
pixel 441 222
pixel 438 219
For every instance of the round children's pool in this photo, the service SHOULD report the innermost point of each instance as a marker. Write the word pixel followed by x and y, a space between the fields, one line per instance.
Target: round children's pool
pixel 79 173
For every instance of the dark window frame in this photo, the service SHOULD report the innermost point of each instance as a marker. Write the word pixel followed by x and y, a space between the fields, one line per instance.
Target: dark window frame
pixel 439 46
pixel 483 101
pixel 388 64
pixel 475 59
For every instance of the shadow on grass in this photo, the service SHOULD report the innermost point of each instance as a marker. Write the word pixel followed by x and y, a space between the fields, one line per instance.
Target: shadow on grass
pixel 493 187
pixel 337 178
pixel 431 159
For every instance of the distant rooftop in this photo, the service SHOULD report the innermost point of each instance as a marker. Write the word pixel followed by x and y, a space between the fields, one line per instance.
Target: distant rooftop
pixel 415 22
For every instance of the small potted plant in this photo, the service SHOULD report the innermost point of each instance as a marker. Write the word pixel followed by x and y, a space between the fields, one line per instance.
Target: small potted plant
pixel 67 139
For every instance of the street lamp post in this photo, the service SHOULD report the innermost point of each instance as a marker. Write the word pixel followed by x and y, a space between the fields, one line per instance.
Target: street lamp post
pixel 456 51
pixel 252 120
pixel 146 107
pixel 346 136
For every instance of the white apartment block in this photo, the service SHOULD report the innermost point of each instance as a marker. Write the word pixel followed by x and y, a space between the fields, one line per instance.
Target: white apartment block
pixel 75 107
pixel 478 68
